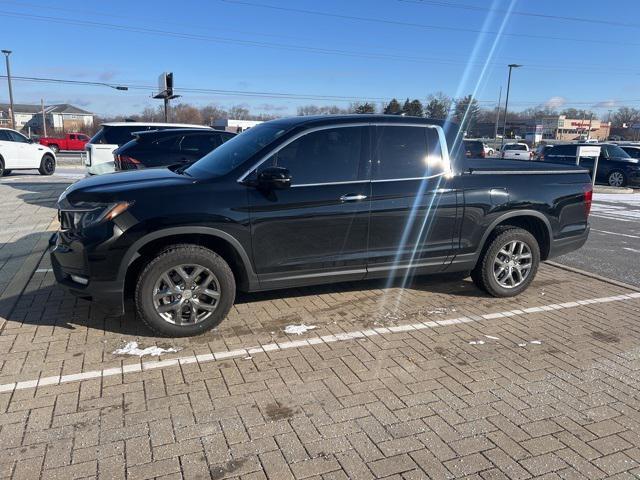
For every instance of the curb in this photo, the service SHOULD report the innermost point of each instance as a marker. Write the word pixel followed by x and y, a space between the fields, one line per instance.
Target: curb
pixel 614 190
pixel 595 276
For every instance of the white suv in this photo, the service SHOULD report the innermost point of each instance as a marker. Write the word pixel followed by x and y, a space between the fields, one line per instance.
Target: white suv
pixel 113 135
pixel 18 152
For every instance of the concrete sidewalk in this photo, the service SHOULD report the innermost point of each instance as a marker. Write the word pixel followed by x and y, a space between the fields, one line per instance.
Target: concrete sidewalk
pixel 27 219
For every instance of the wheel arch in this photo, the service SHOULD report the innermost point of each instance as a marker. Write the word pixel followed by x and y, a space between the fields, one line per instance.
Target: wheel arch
pixel 531 220
pixel 222 243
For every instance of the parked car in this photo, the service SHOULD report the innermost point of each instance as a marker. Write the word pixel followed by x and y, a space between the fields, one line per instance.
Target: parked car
pixel 632 150
pixel 160 148
pixel 541 151
pixel 18 152
pixel 615 167
pixel 71 142
pixel 516 151
pixel 477 149
pixel 312 200
pixel 112 135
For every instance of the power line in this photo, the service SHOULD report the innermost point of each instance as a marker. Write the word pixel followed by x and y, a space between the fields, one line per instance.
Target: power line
pixel 439 3
pixel 286 95
pixel 415 25
pixel 281 46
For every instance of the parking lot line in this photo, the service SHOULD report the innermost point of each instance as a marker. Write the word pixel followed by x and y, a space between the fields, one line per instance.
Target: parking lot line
pixel 615 233
pixel 339 337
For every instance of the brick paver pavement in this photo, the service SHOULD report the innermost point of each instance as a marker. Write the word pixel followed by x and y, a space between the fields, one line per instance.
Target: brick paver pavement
pixel 550 393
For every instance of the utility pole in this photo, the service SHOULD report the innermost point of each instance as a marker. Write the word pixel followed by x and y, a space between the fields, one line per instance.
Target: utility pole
pixel 44 119
pixel 506 103
pixel 166 109
pixel 13 114
pixel 495 133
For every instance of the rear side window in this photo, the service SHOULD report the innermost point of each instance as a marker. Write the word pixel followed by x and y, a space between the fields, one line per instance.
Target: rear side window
pixel 324 156
pixel 407 152
pixel 115 135
pixel 563 151
pixel 200 144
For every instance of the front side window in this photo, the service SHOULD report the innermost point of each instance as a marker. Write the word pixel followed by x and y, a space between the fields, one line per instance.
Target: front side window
pixel 324 156
pixel 16 137
pixel 4 136
pixel 407 152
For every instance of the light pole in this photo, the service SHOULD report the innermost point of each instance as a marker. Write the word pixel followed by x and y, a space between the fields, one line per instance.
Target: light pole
pixel 13 115
pixel 506 103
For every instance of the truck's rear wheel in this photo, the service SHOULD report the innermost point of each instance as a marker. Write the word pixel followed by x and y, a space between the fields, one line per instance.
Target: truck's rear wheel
pixel 54 148
pixel 186 290
pixel 508 263
pixel 47 165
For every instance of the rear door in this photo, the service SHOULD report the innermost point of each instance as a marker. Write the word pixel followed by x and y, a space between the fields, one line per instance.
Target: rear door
pixel 9 150
pixel 26 154
pixel 316 230
pixel 413 206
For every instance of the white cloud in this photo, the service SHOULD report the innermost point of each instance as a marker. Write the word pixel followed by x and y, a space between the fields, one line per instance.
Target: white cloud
pixel 555 102
pixel 606 104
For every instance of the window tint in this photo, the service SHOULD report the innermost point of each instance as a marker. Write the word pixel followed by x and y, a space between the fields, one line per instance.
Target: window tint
pixel 407 152
pixel 563 150
pixel 4 136
pixel 331 155
pixel 72 137
pixel 16 137
pixel 115 135
pixel 515 146
pixel 199 144
pixel 633 152
pixel 474 147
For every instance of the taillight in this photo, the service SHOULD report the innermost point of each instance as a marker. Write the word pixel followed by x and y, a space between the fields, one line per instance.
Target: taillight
pixel 125 162
pixel 588 198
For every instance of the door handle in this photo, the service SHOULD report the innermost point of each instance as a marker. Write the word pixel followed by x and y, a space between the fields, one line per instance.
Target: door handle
pixel 350 197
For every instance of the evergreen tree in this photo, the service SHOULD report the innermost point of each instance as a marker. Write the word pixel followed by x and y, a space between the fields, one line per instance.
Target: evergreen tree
pixel 438 106
pixel 365 107
pixel 466 112
pixel 393 108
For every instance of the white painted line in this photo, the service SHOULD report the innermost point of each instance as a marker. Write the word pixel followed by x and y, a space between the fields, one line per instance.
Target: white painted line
pixel 615 233
pixel 44 270
pixel 634 250
pixel 271 347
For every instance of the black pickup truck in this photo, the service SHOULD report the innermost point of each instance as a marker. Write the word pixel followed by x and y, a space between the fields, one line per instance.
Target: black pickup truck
pixel 312 200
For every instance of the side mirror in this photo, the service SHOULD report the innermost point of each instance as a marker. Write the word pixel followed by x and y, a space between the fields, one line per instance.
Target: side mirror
pixel 273 178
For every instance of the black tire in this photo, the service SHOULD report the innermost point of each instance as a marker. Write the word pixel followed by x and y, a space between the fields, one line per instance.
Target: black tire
pixel 54 148
pixel 47 165
pixel 2 170
pixel 172 257
pixel 617 178
pixel 483 275
pixel 6 173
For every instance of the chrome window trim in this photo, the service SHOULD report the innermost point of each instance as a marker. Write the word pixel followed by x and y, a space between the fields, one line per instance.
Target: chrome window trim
pixel 329 183
pixel 520 172
pixel 444 149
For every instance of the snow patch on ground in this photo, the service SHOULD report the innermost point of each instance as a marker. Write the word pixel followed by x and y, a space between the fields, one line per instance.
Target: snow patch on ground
pixel 132 348
pixel 298 329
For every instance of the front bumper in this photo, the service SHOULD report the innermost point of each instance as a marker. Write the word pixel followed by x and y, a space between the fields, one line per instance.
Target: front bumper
pixel 70 259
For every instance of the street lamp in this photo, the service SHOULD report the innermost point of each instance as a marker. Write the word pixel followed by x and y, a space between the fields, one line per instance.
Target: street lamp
pixel 506 102
pixel 13 115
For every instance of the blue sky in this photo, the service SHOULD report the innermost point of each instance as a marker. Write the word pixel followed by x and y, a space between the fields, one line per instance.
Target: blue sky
pixel 414 48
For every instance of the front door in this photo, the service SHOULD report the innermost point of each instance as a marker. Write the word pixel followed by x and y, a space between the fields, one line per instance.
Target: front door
pixel 413 207
pixel 316 230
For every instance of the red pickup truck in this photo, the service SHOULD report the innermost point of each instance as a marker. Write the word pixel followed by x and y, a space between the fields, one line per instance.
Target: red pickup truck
pixel 71 141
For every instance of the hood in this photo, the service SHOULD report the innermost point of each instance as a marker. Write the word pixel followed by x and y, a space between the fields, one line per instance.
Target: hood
pixel 122 185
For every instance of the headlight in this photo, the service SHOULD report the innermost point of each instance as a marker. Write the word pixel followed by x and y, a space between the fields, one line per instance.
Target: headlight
pixel 86 214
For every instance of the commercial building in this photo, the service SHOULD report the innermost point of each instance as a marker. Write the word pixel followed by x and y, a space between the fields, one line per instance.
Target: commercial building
pixel 559 127
pixel 59 118
pixel 232 125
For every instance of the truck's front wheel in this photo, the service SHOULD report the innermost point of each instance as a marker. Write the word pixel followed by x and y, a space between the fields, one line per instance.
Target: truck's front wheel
pixel 186 290
pixel 508 263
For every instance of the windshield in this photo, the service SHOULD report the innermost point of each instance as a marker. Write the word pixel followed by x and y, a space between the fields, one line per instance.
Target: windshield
pixel 235 151
pixel 614 151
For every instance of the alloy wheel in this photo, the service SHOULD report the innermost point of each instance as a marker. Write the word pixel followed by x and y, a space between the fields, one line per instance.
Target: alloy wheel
pixel 186 294
pixel 512 264
pixel 616 179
